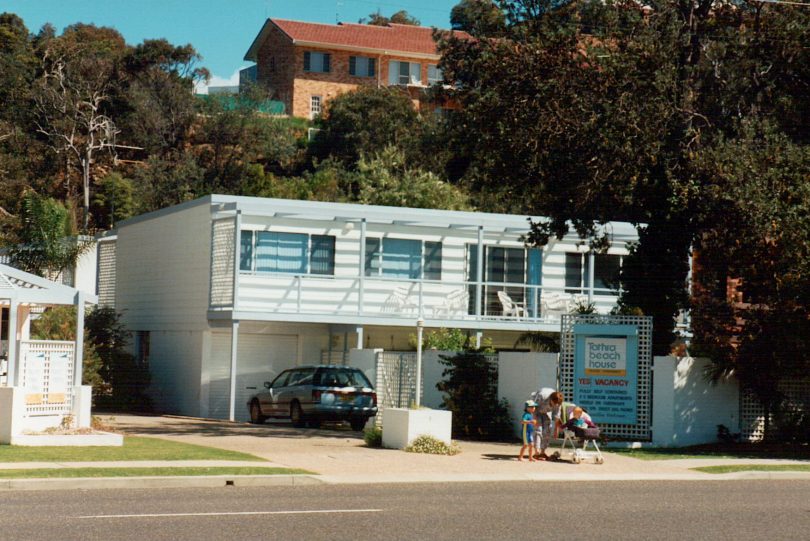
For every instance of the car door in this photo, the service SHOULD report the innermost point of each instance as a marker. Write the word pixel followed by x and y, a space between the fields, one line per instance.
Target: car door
pixel 284 394
pixel 269 398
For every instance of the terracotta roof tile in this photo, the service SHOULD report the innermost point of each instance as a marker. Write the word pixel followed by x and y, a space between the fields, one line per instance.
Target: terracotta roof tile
pixel 395 37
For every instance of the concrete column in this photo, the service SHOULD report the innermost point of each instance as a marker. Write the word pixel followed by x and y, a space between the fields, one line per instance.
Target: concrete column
pixel 591 263
pixel 359 337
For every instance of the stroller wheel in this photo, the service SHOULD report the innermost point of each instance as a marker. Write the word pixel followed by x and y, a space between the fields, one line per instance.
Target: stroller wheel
pixel 600 460
pixel 577 459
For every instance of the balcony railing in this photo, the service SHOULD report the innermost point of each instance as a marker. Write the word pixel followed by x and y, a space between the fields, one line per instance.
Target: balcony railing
pixel 406 298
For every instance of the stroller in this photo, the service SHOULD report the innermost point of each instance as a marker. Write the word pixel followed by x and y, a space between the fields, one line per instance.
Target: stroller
pixel 575 443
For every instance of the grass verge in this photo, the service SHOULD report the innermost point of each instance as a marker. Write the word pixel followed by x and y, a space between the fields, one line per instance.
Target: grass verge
pixel 134 448
pixel 55 473
pixel 754 467
pixel 793 451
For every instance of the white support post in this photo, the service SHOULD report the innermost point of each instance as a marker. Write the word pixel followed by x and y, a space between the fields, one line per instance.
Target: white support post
pixel 237 246
pixel 359 337
pixel 420 324
pixel 13 360
pixel 78 355
pixel 478 336
pixel 591 261
pixel 479 272
pixel 362 269
pixel 232 394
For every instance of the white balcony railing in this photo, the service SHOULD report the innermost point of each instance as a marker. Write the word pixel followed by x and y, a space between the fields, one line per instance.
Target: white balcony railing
pixel 403 298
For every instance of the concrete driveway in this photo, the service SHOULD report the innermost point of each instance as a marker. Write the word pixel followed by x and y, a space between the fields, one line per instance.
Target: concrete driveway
pixel 339 454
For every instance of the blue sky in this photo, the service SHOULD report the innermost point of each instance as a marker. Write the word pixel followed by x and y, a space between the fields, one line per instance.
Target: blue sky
pixel 220 30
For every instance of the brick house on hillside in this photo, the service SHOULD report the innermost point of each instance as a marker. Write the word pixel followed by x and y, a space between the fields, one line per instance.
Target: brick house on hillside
pixel 306 64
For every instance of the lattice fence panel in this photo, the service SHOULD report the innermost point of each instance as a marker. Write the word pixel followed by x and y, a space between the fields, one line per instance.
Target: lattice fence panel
pixel 46 374
pixel 752 414
pixel 640 430
pixel 106 274
pixel 396 381
pixel 223 252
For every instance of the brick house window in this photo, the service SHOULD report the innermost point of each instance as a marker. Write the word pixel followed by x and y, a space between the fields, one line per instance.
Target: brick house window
pixel 434 74
pixel 317 62
pixel 361 66
pixel 315 103
pixel 404 73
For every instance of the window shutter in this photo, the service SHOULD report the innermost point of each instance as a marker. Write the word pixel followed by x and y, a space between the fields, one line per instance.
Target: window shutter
pixel 306 61
pixel 326 58
pixel 371 67
pixel 352 65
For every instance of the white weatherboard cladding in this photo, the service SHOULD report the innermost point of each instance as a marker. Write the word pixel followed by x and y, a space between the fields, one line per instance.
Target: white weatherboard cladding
pixel 261 357
pixel 162 271
pixel 174 363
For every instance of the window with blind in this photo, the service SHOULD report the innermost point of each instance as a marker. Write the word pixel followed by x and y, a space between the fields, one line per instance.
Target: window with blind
pixel 403 258
pixel 361 66
pixel 605 273
pixel 293 253
pixel 404 73
pixel 317 62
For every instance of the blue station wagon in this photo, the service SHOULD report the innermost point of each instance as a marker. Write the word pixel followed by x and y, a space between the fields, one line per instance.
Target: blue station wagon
pixel 308 395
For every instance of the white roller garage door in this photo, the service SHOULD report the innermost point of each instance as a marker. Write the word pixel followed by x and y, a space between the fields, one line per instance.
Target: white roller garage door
pixel 260 357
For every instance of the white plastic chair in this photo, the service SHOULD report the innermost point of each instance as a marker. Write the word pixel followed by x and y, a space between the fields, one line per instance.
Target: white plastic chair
pixel 455 301
pixel 511 308
pixel 399 302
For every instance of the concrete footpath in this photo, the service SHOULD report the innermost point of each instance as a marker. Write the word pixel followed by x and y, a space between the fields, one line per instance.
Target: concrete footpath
pixel 337 455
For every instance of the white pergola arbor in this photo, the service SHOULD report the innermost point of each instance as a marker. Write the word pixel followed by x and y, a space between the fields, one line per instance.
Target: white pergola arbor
pixel 43 379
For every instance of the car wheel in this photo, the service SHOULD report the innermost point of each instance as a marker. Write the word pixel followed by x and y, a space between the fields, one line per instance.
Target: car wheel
pixel 358 424
pixel 256 416
pixel 297 415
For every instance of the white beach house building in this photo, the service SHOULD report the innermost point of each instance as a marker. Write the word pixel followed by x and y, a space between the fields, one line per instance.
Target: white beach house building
pixel 224 292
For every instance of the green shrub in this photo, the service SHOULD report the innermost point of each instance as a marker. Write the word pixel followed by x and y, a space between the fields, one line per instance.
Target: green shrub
pixel 470 388
pixel 373 437
pixel 432 446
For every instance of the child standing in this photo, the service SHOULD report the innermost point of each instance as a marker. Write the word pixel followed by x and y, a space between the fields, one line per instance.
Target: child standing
pixel 527 430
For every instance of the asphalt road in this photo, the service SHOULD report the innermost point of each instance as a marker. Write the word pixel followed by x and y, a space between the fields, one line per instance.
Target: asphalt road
pixel 738 510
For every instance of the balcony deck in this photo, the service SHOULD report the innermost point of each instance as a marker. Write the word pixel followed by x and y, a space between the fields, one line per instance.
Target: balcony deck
pixel 399 302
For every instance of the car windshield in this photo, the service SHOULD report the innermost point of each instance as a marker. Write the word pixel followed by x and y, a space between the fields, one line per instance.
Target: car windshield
pixel 341 377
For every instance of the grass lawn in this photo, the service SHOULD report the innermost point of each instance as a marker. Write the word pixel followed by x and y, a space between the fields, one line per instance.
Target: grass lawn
pixel 53 473
pixel 793 451
pixel 754 467
pixel 134 448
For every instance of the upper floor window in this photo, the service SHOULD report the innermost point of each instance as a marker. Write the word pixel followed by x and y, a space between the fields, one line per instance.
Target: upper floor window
pixel 403 258
pixel 295 253
pixel 361 66
pixel 605 273
pixel 317 62
pixel 434 74
pixel 404 73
